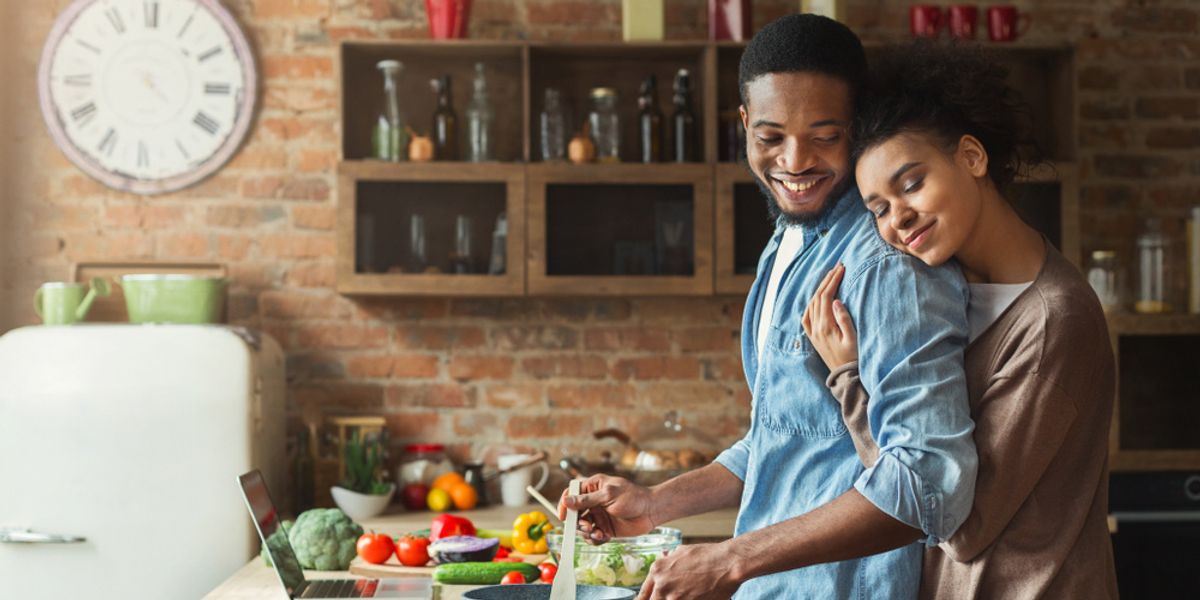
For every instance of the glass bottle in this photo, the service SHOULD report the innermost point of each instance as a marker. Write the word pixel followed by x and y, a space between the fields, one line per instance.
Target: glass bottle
pixel 1152 270
pixel 390 139
pixel 1102 275
pixel 649 122
pixel 605 125
pixel 445 122
pixel 460 260
pixel 417 259
pixel 553 127
pixel 496 265
pixel 480 121
pixel 683 121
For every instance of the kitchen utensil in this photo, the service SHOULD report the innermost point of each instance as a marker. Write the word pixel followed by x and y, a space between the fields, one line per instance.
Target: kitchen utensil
pixel 962 21
pixel 513 484
pixel 447 18
pixel 633 568
pixel 537 591
pixel 564 579
pixel 532 460
pixel 111 309
pixel 64 302
pixel 924 20
pixel 173 298
pixel 544 502
pixel 473 475
pixel 1005 24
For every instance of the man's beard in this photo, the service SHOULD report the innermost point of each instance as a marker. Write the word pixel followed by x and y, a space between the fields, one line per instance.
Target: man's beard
pixel 777 214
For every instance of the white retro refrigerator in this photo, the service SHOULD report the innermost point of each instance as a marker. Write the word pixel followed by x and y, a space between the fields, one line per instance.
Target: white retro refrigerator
pixel 120 446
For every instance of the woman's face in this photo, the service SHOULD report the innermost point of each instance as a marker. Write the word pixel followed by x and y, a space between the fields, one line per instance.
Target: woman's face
pixel 926 202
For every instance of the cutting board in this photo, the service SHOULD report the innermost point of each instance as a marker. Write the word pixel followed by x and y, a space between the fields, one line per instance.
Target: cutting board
pixel 393 568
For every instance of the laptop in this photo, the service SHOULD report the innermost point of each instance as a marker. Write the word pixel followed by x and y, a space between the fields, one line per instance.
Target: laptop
pixel 283 558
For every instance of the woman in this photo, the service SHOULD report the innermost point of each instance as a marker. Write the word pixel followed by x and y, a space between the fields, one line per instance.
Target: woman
pixel 935 145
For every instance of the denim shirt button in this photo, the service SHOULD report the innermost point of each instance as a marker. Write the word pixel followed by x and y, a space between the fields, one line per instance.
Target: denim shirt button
pixel 795 344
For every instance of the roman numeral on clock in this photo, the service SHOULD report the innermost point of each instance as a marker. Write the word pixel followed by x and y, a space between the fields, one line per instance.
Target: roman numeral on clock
pixel 211 52
pixel 150 12
pixel 114 17
pixel 220 89
pixel 108 142
pixel 79 80
pixel 84 113
pixel 205 122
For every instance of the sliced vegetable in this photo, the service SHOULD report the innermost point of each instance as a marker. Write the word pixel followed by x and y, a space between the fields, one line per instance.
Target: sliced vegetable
pixel 463 548
pixel 445 526
pixel 375 548
pixel 413 551
pixel 513 577
pixel 529 532
pixel 481 573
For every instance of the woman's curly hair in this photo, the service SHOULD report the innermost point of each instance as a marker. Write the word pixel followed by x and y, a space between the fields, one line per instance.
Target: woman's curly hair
pixel 946 91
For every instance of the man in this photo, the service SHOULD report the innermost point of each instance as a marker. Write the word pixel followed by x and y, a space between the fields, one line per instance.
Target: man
pixel 808 509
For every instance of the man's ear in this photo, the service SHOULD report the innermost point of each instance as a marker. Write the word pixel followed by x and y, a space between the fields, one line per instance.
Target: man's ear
pixel 745 117
pixel 972 155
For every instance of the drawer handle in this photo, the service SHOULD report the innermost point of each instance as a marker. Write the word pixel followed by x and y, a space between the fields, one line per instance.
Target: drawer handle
pixel 26 536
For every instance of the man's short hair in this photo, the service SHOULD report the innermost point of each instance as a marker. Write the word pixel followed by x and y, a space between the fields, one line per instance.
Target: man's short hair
pixel 804 43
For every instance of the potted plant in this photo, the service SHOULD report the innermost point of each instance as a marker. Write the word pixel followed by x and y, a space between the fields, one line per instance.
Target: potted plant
pixel 363 494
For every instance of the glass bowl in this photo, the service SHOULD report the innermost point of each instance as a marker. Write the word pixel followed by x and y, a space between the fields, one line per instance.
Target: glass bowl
pixel 623 562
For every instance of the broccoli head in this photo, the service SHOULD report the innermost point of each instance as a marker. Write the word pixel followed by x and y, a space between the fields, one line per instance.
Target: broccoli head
pixel 324 539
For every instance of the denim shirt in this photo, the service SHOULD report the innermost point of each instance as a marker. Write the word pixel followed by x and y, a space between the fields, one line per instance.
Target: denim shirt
pixel 912 329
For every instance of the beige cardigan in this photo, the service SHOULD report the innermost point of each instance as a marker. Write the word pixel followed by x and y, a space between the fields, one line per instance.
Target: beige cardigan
pixel 1041 381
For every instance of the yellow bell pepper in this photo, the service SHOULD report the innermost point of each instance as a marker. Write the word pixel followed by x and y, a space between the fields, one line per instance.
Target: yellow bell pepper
pixel 529 533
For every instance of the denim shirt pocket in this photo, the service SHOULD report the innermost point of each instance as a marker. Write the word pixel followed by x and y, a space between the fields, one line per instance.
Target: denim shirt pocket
pixel 785 404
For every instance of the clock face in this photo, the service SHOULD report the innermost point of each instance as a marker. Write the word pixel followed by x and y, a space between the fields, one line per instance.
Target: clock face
pixel 147 96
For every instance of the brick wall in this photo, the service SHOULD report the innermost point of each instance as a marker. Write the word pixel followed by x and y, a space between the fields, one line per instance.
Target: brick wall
pixel 474 372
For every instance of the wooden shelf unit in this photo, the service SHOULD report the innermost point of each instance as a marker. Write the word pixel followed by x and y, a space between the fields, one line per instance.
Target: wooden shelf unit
pixel 519 71
pixel 1175 339
pixel 564 181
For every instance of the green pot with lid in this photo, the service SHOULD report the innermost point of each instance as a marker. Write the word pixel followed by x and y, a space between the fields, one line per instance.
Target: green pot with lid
pixel 172 298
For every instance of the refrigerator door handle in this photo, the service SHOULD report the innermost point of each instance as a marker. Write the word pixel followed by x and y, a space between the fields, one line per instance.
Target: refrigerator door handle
pixel 27 536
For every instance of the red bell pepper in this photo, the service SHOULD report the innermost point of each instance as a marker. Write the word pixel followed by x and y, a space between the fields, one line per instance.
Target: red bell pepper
pixel 449 525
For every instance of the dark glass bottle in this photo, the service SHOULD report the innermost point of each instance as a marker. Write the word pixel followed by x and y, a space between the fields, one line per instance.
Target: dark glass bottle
pixel 683 143
pixel 445 122
pixel 650 122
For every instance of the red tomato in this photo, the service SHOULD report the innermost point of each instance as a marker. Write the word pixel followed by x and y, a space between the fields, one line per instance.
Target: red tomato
pixel 513 577
pixel 413 551
pixel 375 548
pixel 549 570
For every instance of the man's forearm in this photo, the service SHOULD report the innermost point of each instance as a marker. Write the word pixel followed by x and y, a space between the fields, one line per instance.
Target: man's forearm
pixel 848 527
pixel 695 492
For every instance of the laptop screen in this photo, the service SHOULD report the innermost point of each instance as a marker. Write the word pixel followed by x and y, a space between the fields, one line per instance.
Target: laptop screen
pixel 266 520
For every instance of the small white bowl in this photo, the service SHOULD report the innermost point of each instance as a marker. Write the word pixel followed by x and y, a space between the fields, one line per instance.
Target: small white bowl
pixel 361 506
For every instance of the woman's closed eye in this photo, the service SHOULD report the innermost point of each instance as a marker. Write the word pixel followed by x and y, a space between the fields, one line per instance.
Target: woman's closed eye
pixel 914 185
pixel 878 209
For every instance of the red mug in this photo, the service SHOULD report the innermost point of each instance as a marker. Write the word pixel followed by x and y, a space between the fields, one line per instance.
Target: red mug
pixel 1004 23
pixel 447 18
pixel 924 20
pixel 962 21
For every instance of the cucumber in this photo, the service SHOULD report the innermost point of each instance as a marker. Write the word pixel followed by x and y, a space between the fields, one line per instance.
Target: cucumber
pixel 482 573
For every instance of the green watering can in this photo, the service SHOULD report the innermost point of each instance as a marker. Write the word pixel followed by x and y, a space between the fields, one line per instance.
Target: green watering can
pixel 65 302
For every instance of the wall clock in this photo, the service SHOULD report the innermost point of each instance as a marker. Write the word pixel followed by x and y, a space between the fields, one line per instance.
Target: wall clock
pixel 147 96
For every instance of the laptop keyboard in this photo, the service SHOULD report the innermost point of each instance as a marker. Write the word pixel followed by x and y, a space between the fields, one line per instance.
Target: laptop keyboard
pixel 340 588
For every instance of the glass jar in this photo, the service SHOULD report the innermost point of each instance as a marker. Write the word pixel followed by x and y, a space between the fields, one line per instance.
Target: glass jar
pixel 390 139
pixel 553 127
pixel 605 125
pixel 1152 296
pixel 1102 275
pixel 422 463
pixel 480 120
